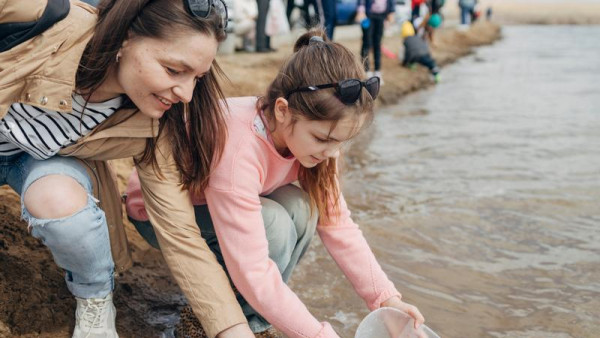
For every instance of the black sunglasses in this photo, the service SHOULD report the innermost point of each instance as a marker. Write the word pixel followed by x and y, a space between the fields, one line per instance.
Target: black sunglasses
pixel 202 8
pixel 348 90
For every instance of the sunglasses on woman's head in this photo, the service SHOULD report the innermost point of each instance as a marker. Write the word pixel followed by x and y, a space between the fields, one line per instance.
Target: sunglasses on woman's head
pixel 348 90
pixel 202 8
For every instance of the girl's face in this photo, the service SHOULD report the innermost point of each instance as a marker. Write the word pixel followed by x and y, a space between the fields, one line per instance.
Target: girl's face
pixel 157 73
pixel 312 142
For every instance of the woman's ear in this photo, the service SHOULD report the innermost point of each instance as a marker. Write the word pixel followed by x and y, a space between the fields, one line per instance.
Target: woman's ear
pixel 281 110
pixel 125 43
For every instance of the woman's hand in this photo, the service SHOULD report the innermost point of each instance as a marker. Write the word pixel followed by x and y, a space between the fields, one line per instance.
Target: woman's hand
pixel 409 309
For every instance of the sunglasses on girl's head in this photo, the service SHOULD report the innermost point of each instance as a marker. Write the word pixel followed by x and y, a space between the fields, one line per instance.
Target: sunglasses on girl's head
pixel 347 90
pixel 202 8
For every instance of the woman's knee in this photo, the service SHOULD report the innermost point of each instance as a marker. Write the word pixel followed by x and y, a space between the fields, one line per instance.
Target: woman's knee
pixel 55 196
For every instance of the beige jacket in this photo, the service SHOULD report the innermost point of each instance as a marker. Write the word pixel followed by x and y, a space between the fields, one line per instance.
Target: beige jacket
pixel 41 72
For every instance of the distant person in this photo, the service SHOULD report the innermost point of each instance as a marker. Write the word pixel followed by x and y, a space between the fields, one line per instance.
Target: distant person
pixel 467 8
pixel 416 51
pixel 328 18
pixel 244 17
pixel 488 14
pixel 372 15
pixel 426 26
pixel 309 20
pixel 435 6
pixel 263 41
pixel 416 9
pixel 475 12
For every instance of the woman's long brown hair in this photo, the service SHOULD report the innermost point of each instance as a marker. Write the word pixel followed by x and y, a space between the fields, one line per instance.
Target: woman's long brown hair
pixel 314 63
pixel 194 147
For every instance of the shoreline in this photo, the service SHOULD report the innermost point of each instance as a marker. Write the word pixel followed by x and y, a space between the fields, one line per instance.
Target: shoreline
pixel 146 297
pixel 251 73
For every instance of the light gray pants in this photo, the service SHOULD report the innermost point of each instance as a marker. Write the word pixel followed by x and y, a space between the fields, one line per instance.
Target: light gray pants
pixel 289 227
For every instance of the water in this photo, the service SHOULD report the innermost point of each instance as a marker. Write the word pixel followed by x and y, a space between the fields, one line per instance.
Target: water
pixel 480 197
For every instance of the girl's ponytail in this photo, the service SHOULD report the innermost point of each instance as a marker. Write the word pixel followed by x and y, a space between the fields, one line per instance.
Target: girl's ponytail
pixel 305 39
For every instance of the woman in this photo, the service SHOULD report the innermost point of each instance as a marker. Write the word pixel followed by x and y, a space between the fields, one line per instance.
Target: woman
pixel 260 224
pixel 116 83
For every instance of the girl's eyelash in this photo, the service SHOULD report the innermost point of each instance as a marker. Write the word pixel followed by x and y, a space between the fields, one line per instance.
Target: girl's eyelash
pixel 321 140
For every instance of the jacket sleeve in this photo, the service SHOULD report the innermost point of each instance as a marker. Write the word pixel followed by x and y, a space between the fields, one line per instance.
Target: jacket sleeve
pixel 235 208
pixel 346 244
pixel 194 266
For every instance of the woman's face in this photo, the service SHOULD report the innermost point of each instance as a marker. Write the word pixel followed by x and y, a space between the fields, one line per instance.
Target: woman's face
pixel 312 142
pixel 157 73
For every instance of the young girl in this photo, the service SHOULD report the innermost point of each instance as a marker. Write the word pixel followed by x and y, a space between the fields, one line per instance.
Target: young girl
pixel 95 85
pixel 262 222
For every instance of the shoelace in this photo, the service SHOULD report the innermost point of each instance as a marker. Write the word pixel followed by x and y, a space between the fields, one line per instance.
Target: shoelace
pixel 92 315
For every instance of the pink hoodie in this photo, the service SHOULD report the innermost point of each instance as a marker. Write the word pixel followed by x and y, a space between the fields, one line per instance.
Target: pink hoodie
pixel 251 167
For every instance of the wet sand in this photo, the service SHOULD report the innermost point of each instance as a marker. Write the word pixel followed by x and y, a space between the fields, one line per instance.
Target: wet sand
pixel 34 301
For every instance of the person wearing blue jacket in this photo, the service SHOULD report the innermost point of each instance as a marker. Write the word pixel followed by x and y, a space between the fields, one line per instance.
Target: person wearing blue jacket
pixel 467 7
pixel 372 15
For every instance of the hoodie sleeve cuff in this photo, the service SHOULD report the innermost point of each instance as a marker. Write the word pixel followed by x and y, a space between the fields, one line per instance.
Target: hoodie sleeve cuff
pixel 385 295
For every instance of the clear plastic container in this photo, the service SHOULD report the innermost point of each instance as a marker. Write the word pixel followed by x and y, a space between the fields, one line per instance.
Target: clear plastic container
pixel 388 322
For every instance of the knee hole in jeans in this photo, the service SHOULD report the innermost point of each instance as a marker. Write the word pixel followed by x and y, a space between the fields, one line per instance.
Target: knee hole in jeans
pixel 55 196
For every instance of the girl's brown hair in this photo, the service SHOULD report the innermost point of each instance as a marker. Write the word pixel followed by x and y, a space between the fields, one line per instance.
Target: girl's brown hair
pixel 193 148
pixel 318 61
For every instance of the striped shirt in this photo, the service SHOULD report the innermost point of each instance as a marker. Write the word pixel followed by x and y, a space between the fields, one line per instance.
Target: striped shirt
pixel 42 133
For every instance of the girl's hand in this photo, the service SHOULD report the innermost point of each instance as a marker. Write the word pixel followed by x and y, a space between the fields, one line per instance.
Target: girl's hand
pixel 409 309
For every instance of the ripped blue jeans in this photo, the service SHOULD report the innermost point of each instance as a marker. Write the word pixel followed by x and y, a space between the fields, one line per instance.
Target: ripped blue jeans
pixel 79 243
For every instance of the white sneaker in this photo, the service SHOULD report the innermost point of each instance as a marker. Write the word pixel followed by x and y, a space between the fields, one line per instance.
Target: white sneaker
pixel 369 74
pixel 378 74
pixel 95 318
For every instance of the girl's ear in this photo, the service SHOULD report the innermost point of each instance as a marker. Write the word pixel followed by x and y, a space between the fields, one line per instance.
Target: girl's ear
pixel 281 110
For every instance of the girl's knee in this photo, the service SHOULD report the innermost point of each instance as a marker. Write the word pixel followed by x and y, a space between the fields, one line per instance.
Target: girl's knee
pixel 297 204
pixel 54 196
pixel 279 227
